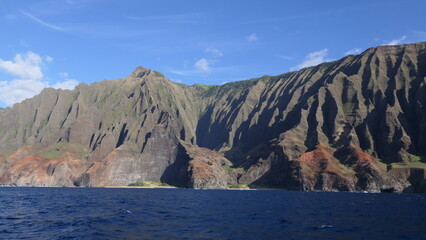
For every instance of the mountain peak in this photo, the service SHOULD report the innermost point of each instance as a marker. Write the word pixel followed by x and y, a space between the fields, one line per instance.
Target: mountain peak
pixel 140 71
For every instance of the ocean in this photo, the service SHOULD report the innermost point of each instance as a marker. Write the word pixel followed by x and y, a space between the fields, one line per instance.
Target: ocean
pixel 131 213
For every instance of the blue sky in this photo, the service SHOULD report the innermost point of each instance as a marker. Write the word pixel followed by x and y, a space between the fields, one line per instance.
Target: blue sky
pixel 59 43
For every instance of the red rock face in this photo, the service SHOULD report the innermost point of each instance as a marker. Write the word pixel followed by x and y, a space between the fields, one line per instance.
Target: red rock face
pixel 320 170
pixel 206 170
pixel 34 170
pixel 362 160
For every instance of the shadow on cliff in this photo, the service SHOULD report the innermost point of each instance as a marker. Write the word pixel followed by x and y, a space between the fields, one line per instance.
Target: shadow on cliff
pixel 177 173
pixel 279 170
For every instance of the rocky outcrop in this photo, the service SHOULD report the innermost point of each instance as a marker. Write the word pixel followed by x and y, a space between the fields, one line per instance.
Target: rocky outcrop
pixel 199 168
pixel 207 169
pixel 35 166
pixel 356 124
pixel 126 164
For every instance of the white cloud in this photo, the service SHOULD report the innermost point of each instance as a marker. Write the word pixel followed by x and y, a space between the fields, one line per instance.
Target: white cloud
pixel 215 52
pixel 49 59
pixel 178 72
pixel 184 72
pixel 15 91
pixel 24 66
pixel 27 71
pixel 64 74
pixel 41 22
pixel 68 84
pixel 195 72
pixel 203 64
pixel 312 59
pixel 353 51
pixel 397 41
pixel 252 38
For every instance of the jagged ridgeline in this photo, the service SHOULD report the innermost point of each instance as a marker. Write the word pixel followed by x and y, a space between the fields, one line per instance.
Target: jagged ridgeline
pixel 356 124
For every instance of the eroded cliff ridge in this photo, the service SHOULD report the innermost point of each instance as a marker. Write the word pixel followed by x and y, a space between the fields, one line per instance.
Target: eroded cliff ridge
pixel 356 124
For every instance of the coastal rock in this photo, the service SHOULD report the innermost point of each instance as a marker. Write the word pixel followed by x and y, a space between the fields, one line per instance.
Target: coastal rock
pixel 356 124
pixel 36 170
pixel 199 168
pixel 128 164
pixel 207 169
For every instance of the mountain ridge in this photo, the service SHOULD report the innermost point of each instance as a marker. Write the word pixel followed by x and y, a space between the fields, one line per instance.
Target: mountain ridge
pixel 319 128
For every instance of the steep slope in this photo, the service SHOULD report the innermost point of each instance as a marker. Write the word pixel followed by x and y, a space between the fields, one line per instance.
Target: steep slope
pixel 352 125
pixel 125 124
pixel 371 104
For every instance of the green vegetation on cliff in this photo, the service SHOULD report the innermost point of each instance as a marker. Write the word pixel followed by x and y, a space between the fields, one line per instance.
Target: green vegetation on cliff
pixel 59 150
pixel 410 161
pixel 243 186
pixel 148 184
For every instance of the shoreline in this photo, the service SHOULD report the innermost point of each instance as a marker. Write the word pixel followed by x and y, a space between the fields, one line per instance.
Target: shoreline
pixel 173 187
pixel 147 187
pixel 138 187
pixel 231 189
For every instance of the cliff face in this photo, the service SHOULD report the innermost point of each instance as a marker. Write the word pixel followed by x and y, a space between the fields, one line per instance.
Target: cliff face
pixel 357 124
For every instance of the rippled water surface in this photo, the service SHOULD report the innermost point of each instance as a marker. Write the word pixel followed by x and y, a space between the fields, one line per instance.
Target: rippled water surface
pixel 102 213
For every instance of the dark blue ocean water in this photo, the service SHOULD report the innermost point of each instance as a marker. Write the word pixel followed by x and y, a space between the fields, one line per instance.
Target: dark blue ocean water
pixel 102 213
